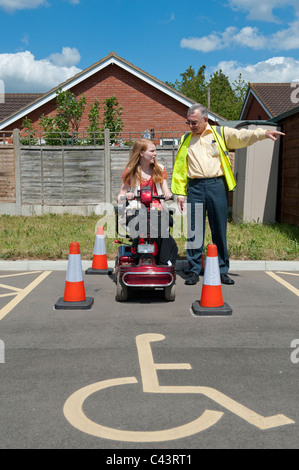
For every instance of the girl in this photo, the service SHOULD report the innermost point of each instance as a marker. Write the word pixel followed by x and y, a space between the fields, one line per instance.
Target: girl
pixel 144 170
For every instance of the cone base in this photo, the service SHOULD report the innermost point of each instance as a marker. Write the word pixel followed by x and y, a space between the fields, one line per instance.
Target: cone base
pixel 81 305
pixel 98 271
pixel 197 309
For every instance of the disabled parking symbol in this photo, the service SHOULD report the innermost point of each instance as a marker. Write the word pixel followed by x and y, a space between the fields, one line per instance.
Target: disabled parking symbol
pixel 73 407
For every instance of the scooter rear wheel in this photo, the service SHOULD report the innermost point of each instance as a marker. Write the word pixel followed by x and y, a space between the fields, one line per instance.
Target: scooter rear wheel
pixel 169 293
pixel 121 291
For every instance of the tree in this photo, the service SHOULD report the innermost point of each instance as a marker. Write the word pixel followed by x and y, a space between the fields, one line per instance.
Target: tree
pixel 240 88
pixel 30 132
pixel 192 84
pixel 112 119
pixel 69 109
pixel 62 128
pixel 225 99
pixel 95 136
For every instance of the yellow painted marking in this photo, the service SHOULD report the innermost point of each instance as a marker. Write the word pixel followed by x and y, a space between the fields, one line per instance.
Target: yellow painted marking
pixel 147 366
pixel 74 414
pixel 22 294
pixel 16 289
pixel 73 408
pixel 284 283
pixel 151 384
pixel 19 274
pixel 8 294
pixel 289 274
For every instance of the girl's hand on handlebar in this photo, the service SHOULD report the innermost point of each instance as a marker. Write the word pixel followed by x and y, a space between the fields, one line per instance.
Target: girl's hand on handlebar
pixel 123 197
pixel 130 196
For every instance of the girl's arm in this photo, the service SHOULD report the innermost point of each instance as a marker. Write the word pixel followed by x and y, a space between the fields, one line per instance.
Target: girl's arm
pixel 124 192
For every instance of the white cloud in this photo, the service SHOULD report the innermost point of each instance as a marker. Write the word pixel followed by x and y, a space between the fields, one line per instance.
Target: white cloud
pixel 68 57
pixel 285 39
pixel 12 5
pixel 247 36
pixel 276 69
pixel 22 73
pixel 263 11
pixel 204 44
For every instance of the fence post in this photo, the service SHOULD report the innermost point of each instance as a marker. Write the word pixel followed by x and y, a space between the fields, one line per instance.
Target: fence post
pixel 107 166
pixel 17 152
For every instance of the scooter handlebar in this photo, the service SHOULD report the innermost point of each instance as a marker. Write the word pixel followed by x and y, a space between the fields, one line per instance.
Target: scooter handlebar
pixel 163 197
pixel 124 198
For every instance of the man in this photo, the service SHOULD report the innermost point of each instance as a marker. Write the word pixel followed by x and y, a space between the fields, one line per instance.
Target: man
pixel 203 173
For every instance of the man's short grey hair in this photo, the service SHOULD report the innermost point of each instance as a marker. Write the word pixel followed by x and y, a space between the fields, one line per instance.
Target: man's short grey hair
pixel 198 107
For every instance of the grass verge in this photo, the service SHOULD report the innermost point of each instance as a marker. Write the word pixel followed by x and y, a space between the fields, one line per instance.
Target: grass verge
pixel 49 236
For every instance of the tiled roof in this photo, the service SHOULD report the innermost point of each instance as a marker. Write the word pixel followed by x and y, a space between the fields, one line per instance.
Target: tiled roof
pixel 275 97
pixel 13 102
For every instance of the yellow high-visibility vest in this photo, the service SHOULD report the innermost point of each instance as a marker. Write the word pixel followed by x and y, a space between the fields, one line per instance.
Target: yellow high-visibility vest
pixel 180 168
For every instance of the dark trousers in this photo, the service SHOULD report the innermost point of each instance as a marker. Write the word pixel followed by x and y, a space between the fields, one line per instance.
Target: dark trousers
pixel 212 194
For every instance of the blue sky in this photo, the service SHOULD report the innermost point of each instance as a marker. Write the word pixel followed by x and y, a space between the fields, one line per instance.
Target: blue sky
pixel 44 42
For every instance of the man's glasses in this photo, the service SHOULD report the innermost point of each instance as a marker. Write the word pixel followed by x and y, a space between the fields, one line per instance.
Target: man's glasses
pixel 191 123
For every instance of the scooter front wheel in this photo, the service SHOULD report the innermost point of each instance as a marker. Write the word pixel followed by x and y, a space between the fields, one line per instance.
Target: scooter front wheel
pixel 169 293
pixel 121 291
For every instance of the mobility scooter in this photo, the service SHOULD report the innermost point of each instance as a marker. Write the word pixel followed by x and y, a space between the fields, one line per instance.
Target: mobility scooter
pixel 137 262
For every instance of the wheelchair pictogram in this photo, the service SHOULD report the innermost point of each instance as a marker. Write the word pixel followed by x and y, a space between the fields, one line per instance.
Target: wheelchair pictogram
pixel 73 408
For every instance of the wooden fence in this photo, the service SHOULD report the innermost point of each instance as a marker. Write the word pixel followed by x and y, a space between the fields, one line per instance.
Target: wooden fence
pixel 69 176
pixel 7 174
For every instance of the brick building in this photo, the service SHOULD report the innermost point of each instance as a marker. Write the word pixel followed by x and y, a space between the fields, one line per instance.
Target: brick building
pixel 147 102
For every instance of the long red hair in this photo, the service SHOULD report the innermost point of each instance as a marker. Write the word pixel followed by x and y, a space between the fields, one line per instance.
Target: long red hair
pixel 133 171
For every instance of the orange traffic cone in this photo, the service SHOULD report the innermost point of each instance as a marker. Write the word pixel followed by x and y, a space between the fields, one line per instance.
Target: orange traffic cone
pixel 74 292
pixel 211 302
pixel 99 260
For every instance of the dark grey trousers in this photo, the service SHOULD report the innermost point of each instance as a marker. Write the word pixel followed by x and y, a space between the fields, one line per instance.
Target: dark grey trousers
pixel 207 196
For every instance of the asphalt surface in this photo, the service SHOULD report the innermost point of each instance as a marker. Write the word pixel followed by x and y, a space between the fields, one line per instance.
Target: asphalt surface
pixel 249 358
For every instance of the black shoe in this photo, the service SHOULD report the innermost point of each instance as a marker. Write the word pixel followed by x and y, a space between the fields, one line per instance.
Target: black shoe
pixel 192 279
pixel 187 271
pixel 225 279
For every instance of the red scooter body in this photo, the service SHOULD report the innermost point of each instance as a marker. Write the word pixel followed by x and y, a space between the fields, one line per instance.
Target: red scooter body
pixel 136 266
